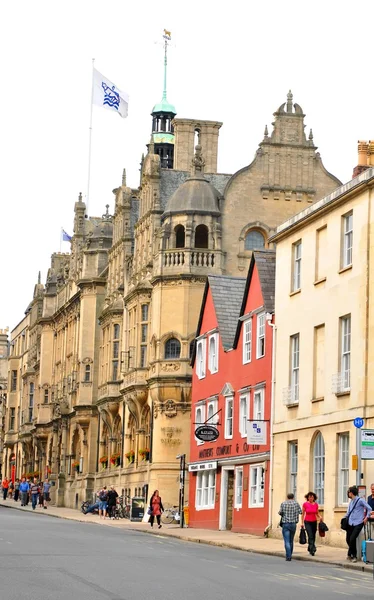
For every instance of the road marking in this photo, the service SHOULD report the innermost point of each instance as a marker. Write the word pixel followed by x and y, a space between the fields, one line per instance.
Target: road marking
pixel 309 584
pixel 344 593
pixel 231 566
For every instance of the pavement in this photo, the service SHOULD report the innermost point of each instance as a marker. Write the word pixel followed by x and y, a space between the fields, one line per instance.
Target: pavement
pixel 330 555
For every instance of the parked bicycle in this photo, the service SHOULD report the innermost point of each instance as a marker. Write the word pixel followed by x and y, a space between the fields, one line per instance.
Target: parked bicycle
pixel 123 508
pixel 170 515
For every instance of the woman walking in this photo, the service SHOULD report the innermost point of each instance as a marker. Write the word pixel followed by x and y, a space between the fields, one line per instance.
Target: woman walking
pixel 155 504
pixel 309 518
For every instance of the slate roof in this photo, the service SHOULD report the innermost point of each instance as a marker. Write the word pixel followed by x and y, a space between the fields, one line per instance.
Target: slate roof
pixel 265 263
pixel 227 293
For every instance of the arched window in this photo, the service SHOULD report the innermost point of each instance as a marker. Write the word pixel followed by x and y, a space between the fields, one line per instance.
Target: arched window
pixel 87 373
pixel 172 348
pixel 201 236
pixel 254 240
pixel 319 468
pixel 179 236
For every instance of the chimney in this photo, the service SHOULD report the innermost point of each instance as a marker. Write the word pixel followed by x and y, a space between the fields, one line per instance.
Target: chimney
pixel 364 157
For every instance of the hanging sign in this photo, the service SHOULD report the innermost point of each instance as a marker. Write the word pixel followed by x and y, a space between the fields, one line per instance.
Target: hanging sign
pixel 257 433
pixel 367 444
pixel 206 433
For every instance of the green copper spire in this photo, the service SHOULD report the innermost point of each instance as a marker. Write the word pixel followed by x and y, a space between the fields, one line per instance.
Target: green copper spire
pixel 164 105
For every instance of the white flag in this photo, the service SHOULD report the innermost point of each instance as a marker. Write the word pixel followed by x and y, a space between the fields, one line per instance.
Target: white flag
pixel 107 95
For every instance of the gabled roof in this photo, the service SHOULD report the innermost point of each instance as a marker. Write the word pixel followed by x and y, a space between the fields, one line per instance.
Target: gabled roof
pixel 227 295
pixel 265 263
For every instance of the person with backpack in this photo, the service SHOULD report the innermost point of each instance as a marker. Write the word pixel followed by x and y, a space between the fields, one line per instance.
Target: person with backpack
pixel 103 502
pixel 46 488
pixel 357 515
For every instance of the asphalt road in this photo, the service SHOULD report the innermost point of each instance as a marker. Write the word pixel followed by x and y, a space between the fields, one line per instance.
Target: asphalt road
pixel 43 558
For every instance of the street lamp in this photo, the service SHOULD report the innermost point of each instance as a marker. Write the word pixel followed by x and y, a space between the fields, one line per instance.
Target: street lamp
pixel 182 466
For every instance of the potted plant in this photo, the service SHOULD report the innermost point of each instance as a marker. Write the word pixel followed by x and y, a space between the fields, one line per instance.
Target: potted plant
pixel 130 456
pixel 144 453
pixel 104 461
pixel 75 466
pixel 114 459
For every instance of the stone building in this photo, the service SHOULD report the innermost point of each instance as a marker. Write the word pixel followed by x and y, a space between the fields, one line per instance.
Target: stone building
pixel 4 349
pixel 109 353
pixel 324 351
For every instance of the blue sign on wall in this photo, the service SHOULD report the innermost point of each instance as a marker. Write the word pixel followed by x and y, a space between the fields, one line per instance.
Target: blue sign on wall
pixel 358 422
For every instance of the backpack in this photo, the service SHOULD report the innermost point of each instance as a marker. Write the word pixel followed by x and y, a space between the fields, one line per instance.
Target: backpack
pixel 103 496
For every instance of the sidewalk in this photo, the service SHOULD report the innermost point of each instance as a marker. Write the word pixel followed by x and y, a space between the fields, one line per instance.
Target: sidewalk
pixel 226 539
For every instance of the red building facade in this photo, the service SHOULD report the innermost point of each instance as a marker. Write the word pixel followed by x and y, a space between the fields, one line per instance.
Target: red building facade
pixel 231 389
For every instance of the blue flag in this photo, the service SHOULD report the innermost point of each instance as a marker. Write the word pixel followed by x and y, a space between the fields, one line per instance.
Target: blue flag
pixel 65 236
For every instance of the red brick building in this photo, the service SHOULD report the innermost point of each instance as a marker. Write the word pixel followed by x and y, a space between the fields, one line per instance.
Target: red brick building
pixel 232 389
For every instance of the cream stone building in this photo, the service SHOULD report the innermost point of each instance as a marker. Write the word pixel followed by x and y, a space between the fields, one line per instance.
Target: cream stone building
pixel 4 350
pixel 109 351
pixel 324 349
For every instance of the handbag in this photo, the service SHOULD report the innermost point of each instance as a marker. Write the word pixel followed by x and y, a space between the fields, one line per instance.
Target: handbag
pixel 281 522
pixel 302 536
pixel 149 511
pixel 345 520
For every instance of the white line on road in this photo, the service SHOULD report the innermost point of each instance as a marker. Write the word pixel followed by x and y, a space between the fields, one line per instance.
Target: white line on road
pixel 309 584
pixel 231 566
pixel 344 593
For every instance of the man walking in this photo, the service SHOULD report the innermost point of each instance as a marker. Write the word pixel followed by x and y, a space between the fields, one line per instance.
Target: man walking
pixel 46 488
pixel 290 511
pixel 24 489
pixel 34 491
pixel 357 515
pixel 5 486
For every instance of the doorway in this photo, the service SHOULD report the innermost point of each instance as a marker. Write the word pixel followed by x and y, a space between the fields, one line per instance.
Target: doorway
pixel 227 498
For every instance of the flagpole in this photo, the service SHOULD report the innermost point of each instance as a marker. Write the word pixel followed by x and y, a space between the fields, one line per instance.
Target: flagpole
pixel 60 240
pixel 90 139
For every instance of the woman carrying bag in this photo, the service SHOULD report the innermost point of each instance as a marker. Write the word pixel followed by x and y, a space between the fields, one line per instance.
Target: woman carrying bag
pixel 155 509
pixel 309 520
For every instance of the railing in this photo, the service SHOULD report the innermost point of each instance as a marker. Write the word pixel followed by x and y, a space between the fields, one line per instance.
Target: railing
pixel 205 259
pixel 341 382
pixel 291 396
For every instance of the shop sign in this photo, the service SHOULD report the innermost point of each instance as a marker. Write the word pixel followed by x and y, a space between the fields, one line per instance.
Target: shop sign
pixel 367 444
pixel 203 466
pixel 206 433
pixel 257 433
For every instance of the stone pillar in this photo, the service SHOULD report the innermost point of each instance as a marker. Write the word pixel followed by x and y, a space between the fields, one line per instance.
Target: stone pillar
pixel 64 426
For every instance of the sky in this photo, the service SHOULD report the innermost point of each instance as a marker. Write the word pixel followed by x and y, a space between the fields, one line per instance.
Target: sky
pixel 232 62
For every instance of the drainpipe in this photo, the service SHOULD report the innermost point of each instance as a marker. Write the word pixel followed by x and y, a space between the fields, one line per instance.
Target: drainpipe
pixel 274 328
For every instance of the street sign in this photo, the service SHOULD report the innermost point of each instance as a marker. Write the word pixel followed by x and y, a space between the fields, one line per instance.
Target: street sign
pixel 358 422
pixel 206 433
pixel 367 444
pixel 257 433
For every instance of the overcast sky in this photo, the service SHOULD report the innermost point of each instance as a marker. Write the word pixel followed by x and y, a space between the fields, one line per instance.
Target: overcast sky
pixel 230 61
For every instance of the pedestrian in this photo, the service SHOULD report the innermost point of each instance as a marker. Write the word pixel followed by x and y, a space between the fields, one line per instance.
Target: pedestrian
pixel 46 488
pixel 10 489
pixel 16 490
pixel 357 515
pixel 309 520
pixel 41 496
pixel 34 491
pixel 103 499
pixel 290 511
pixel 371 502
pixel 156 508
pixel 28 495
pixel 5 487
pixel 24 489
pixel 112 501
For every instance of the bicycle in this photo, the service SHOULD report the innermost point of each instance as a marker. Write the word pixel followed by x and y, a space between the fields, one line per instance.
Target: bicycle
pixel 170 515
pixel 123 510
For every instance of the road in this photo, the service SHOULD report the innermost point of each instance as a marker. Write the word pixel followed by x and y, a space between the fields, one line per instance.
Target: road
pixel 43 558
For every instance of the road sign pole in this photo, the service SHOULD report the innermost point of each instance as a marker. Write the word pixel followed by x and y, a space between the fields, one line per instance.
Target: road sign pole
pixel 358 452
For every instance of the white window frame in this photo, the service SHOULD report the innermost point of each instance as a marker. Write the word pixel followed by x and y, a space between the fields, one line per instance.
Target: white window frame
pixel 212 407
pixel 201 358
pixel 293 465
pixel 260 335
pixel 319 467
pixel 229 418
pixel 244 401
pixel 296 266
pixel 345 352
pixel 347 249
pixel 205 490
pixel 247 341
pixel 199 408
pixel 238 487
pixel 213 355
pixel 343 473
pixel 295 367
pixel 258 413
pixel 256 486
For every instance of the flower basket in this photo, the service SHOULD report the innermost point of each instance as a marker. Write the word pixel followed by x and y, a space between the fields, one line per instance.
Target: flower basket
pixel 144 453
pixel 75 465
pixel 104 461
pixel 130 456
pixel 115 459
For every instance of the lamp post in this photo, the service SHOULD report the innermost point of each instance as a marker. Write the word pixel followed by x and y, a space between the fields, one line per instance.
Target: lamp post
pixel 182 466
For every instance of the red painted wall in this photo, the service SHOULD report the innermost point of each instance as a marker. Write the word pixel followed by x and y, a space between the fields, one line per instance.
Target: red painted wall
pixel 231 370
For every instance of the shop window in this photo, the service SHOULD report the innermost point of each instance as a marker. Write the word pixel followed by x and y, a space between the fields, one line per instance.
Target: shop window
pixel 205 490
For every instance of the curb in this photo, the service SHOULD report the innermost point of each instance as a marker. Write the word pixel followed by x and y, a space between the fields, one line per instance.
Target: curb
pixel 364 568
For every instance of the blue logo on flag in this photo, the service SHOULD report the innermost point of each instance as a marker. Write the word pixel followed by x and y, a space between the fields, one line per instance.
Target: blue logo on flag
pixel 111 97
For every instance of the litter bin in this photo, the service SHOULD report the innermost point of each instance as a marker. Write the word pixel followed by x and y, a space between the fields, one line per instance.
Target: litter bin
pixel 137 509
pixel 186 512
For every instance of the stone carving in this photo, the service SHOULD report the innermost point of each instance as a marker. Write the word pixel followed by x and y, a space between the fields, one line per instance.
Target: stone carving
pixel 170 367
